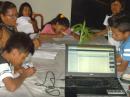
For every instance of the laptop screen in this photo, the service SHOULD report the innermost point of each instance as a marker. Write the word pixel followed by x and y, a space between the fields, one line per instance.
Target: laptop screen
pixel 91 59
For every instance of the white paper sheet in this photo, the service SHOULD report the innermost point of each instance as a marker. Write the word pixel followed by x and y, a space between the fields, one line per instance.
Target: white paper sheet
pixel 65 38
pixel 44 54
pixel 52 46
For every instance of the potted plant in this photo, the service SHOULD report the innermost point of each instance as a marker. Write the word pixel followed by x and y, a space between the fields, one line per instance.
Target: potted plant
pixel 83 31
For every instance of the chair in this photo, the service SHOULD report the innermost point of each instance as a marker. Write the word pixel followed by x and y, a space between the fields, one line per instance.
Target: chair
pixel 35 16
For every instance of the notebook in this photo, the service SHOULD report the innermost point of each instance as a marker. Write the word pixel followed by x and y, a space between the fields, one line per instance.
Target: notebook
pixel 91 70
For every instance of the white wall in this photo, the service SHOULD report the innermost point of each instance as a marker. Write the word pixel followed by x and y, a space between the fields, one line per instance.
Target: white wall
pixel 49 8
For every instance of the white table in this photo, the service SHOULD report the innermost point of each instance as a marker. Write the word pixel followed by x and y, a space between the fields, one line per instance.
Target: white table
pixel 56 65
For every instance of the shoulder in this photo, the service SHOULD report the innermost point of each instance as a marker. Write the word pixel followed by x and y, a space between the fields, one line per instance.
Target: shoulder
pixel 126 45
pixel 5 71
pixel 4 66
pixel 48 26
pixel 127 41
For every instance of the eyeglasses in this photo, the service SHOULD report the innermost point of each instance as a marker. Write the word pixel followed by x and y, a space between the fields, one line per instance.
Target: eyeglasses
pixel 12 16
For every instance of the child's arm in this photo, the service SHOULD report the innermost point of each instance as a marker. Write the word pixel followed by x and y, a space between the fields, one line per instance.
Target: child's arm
pixel 118 59
pixel 50 36
pixel 121 64
pixel 122 67
pixel 75 35
pixel 12 84
pixel 101 33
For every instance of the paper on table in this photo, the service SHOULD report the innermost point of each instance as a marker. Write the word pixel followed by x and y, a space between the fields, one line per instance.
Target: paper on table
pixel 52 46
pixel 65 38
pixel 44 54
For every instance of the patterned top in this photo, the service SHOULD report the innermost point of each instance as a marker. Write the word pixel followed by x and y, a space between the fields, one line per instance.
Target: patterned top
pixel 5 70
pixel 124 50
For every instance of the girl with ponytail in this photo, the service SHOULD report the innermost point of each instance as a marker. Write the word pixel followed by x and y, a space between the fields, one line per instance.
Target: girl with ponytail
pixel 59 26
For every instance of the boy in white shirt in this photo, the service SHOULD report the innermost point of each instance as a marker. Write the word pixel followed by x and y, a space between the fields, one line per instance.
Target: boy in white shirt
pixel 14 53
pixel 117 7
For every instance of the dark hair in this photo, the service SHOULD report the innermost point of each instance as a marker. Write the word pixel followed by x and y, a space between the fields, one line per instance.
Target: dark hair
pixel 120 1
pixel 20 41
pixel 120 21
pixel 25 4
pixel 5 6
pixel 0 5
pixel 61 19
pixel 122 6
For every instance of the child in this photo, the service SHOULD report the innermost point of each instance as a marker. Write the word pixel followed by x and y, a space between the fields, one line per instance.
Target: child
pixel 24 25
pixel 120 26
pixel 58 27
pixel 117 7
pixel 25 14
pixel 8 16
pixel 14 53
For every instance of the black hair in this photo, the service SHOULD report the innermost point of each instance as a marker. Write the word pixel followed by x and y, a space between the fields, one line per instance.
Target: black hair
pixel 60 19
pixel 25 4
pixel 120 21
pixel 122 5
pixel 20 41
pixel 5 6
pixel 120 1
pixel 0 5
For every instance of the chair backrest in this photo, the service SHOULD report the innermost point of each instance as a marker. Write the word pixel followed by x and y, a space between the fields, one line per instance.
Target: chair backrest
pixel 35 16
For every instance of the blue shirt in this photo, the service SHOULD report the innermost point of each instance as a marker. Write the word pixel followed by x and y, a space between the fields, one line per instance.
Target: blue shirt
pixel 124 51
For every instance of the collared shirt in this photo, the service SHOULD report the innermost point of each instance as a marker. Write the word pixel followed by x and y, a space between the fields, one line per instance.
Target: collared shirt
pixel 124 50
pixel 5 70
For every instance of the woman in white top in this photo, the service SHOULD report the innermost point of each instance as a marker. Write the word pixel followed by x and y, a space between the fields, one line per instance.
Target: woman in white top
pixel 117 7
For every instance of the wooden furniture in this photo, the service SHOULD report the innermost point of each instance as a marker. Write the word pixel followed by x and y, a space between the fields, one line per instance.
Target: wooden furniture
pixel 36 16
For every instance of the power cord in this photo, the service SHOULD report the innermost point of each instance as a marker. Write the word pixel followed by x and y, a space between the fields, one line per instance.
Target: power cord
pixel 51 89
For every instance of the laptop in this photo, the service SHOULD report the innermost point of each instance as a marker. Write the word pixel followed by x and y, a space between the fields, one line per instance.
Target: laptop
pixel 91 72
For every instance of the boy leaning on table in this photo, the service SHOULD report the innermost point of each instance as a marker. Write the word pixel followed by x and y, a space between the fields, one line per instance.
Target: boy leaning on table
pixel 120 26
pixel 14 53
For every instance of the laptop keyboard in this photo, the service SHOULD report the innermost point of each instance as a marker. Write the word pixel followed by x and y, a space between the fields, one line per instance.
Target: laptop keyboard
pixel 94 83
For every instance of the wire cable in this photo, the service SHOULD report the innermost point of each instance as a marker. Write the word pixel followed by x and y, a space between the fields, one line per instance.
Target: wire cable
pixel 51 89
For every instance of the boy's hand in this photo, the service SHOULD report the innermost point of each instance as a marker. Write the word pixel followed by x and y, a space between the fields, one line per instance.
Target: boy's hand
pixel 29 71
pixel 20 70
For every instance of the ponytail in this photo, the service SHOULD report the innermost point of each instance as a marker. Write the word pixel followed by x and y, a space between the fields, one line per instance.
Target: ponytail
pixel 60 19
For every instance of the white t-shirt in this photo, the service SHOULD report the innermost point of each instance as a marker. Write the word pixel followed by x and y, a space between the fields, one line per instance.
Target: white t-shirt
pixel 110 39
pixel 5 71
pixel 24 25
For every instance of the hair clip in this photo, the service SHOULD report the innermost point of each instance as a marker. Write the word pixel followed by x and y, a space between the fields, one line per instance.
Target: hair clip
pixel 62 16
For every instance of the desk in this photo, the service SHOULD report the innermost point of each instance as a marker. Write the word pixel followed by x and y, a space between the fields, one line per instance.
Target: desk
pixel 56 64
pixel 29 89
